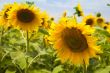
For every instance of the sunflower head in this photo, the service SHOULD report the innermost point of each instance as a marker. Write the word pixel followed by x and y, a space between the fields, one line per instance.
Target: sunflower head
pixel 107 27
pixel 100 21
pixel 45 19
pixel 74 42
pixel 89 20
pixel 107 23
pixel 25 17
pixel 4 15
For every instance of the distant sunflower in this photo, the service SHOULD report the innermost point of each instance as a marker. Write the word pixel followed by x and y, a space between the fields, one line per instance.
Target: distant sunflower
pixel 100 21
pixel 79 10
pixel 25 17
pixel 45 19
pixel 73 42
pixel 108 23
pixel 4 15
pixel 46 40
pixel 105 26
pixel 89 20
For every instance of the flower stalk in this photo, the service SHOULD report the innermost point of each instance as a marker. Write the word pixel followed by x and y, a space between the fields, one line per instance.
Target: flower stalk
pixel 27 41
pixel 84 68
pixel 2 33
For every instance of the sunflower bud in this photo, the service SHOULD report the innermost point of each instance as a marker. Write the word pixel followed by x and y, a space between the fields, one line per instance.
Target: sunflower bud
pixel 79 10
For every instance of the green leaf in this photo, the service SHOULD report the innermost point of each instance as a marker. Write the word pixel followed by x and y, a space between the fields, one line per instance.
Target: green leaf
pixel 104 70
pixel 39 71
pixel 102 32
pixel 43 31
pixel 19 58
pixel 8 71
pixel 57 69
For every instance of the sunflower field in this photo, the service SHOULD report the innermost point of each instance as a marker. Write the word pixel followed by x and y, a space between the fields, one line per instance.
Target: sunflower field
pixel 32 41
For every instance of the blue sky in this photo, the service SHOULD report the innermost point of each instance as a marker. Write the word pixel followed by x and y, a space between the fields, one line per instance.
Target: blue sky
pixel 56 7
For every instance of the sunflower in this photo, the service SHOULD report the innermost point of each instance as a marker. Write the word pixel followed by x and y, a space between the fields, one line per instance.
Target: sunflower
pixel 100 21
pixel 45 19
pixel 89 20
pixel 108 23
pixel 105 26
pixel 25 17
pixel 79 10
pixel 46 41
pixel 4 15
pixel 73 42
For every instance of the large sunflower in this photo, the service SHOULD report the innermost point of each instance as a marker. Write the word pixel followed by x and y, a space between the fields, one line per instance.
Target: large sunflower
pixel 25 16
pixel 89 20
pixel 74 42
pixel 4 15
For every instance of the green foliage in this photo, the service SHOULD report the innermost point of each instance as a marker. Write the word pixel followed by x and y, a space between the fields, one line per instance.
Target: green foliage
pixel 104 70
pixel 41 58
pixel 8 71
pixel 57 69
pixel 19 59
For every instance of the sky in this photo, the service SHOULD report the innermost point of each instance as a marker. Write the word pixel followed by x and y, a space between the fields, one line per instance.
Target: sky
pixel 55 8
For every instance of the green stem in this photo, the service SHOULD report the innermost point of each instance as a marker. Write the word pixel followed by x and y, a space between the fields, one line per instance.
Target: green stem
pixel 4 56
pixel 27 41
pixel 84 68
pixel 26 69
pixel 2 32
pixel 33 60
pixel 75 18
pixel 18 67
pixel 27 48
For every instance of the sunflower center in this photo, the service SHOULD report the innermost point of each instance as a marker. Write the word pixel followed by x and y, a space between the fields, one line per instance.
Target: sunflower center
pixel 105 27
pixel 89 22
pixel 74 39
pixel 25 15
pixel 99 20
